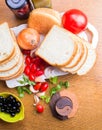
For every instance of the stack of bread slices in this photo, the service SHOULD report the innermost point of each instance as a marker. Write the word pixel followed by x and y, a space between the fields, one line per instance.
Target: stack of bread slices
pixel 11 58
pixel 67 51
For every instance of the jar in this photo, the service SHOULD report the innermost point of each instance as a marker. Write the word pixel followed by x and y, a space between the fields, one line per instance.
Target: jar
pixel 42 3
pixel 21 8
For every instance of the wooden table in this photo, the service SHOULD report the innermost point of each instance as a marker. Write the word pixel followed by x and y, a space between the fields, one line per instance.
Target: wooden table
pixel 88 88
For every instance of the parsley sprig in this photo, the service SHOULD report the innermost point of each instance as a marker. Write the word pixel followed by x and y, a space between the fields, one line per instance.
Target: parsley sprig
pixel 22 89
pixel 25 81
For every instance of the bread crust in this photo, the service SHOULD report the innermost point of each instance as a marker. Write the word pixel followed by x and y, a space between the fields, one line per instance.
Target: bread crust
pixel 89 62
pixel 78 56
pixel 5 66
pixel 74 69
pixel 20 71
pixel 13 71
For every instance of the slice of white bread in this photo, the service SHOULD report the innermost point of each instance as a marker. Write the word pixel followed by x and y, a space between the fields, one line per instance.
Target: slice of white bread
pixel 58 49
pixel 13 71
pixel 11 62
pixel 42 19
pixel 77 57
pixel 6 42
pixel 15 75
pixel 79 64
pixel 89 62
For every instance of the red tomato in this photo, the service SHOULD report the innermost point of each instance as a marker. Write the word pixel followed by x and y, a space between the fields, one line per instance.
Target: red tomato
pixel 39 108
pixel 27 70
pixel 74 20
pixel 33 68
pixel 37 86
pixel 43 87
pixel 28 60
pixel 31 76
pixel 39 72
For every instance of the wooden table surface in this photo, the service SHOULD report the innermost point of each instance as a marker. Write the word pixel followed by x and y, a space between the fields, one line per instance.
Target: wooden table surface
pixel 88 88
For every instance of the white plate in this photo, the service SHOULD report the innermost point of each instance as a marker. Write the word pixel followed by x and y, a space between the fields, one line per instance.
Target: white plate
pixel 52 71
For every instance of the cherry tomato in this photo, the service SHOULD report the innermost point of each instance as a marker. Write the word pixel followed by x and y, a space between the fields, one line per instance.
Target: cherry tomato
pixel 74 20
pixel 27 70
pixel 43 87
pixel 28 60
pixel 39 108
pixel 37 86
pixel 33 68
pixel 39 72
pixel 31 76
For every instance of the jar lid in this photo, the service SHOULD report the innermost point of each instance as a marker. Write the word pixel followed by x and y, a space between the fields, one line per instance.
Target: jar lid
pixel 15 4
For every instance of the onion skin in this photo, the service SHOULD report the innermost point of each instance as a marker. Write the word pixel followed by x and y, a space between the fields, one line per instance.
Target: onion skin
pixel 28 39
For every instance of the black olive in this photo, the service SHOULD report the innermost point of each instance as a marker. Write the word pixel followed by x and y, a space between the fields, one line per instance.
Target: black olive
pixel 1 104
pixel 18 110
pixel 13 107
pixel 1 97
pixel 18 104
pixel 10 97
pixel 9 105
pixel 2 109
pixel 7 111
pixel 13 100
pixel 12 114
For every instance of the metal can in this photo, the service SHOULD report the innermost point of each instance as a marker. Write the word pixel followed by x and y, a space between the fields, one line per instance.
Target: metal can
pixel 21 8
pixel 42 3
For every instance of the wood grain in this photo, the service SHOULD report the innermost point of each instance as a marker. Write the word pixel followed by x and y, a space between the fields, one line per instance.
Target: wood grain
pixel 88 88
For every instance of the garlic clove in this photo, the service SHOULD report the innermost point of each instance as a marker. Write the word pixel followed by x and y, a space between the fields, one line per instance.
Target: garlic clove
pixel 36 100
pixel 32 89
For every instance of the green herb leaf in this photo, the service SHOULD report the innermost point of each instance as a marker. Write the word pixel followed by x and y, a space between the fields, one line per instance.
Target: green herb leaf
pixel 21 95
pixel 21 82
pixel 31 82
pixel 25 78
pixel 45 98
pixel 53 80
pixel 66 84
pixel 53 91
pixel 20 91
pixel 61 83
pixel 58 87
pixel 26 90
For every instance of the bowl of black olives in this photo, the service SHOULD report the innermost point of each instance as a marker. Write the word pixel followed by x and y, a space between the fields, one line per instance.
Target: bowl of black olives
pixel 11 107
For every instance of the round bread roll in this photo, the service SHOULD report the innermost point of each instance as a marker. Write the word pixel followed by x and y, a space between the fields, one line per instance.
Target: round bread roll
pixel 42 19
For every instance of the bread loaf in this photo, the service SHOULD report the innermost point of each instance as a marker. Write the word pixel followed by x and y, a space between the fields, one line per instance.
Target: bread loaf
pixel 42 19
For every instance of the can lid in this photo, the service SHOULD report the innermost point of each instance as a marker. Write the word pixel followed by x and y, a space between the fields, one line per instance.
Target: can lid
pixel 15 4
